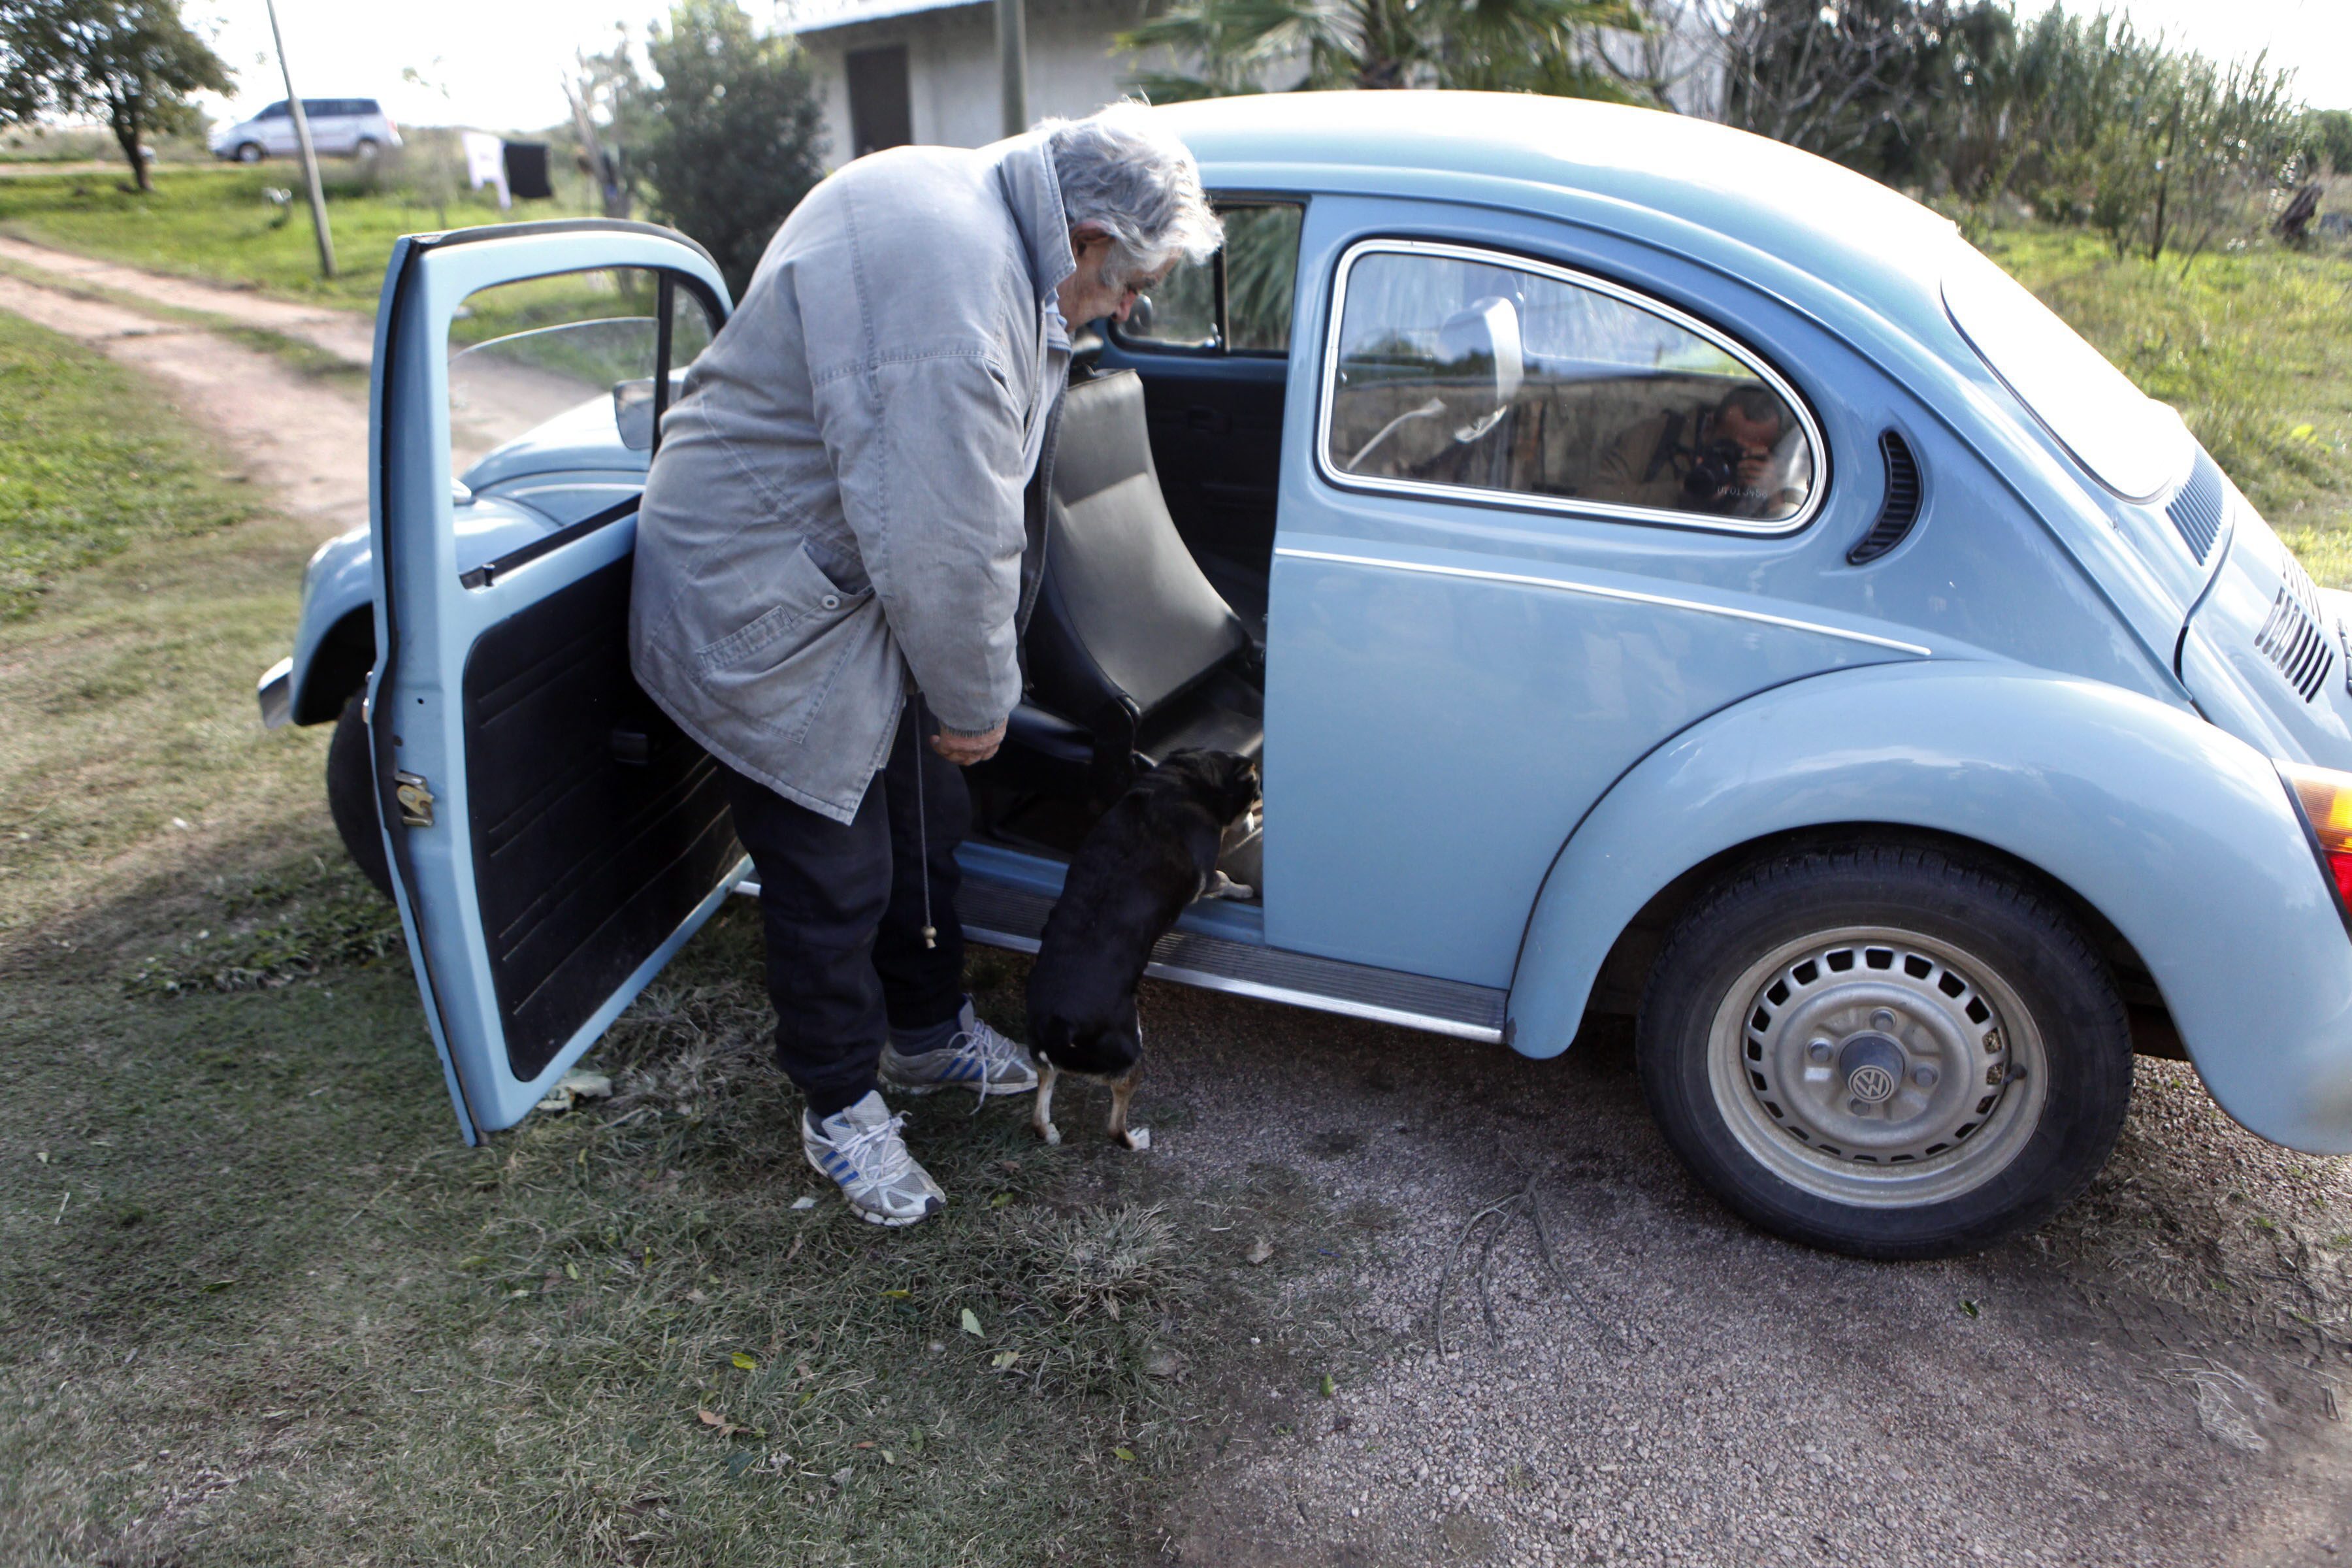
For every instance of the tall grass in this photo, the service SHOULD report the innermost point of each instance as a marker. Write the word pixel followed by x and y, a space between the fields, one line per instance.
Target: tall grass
pixel 2250 345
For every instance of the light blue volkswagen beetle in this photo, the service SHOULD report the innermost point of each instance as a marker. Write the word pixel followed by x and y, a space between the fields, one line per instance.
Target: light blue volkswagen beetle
pixel 1664 574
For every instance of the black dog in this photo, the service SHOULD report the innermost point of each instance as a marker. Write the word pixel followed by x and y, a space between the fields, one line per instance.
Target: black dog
pixel 1153 853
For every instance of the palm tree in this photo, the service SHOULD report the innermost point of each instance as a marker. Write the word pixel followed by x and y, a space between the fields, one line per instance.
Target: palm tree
pixel 1503 46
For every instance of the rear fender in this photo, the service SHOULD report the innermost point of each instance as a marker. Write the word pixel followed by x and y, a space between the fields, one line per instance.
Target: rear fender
pixel 2179 835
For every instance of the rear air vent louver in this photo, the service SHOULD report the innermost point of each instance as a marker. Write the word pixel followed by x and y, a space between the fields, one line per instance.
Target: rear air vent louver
pixel 1901 507
pixel 2292 638
pixel 2196 512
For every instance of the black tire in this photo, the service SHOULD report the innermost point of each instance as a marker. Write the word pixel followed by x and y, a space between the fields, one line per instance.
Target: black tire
pixel 249 152
pixel 350 794
pixel 364 149
pixel 1959 944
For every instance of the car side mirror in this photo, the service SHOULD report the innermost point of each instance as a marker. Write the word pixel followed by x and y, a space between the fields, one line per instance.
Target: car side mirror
pixel 1479 348
pixel 632 413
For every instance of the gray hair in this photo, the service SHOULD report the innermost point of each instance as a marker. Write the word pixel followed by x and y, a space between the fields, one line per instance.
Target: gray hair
pixel 1123 171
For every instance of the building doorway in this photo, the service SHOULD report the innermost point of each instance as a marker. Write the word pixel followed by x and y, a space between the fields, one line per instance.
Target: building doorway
pixel 879 114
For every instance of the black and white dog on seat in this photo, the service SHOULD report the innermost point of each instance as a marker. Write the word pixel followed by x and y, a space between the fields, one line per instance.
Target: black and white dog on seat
pixel 1153 853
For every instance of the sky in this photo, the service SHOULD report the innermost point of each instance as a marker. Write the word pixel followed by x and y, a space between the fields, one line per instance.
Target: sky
pixel 498 64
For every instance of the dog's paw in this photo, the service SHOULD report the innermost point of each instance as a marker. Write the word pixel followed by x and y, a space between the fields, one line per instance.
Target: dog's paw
pixel 1050 1133
pixel 1138 1139
pixel 1241 890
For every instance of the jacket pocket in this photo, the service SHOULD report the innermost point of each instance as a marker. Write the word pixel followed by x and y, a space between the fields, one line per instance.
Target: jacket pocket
pixel 807 602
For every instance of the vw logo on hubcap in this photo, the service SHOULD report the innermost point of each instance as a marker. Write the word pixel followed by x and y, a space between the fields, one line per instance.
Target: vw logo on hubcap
pixel 1871 1084
pixel 1873 1067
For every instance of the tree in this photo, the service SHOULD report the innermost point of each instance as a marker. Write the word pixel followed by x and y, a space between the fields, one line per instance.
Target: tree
pixel 728 135
pixel 2328 131
pixel 1882 85
pixel 1503 46
pixel 133 63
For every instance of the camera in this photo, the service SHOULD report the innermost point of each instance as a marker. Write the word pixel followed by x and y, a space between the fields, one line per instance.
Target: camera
pixel 1712 479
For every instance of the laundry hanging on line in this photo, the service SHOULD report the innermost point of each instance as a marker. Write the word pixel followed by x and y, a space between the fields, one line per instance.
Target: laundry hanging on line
pixel 485 164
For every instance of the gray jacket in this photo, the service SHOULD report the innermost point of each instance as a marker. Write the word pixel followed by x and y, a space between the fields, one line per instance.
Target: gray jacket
pixel 838 503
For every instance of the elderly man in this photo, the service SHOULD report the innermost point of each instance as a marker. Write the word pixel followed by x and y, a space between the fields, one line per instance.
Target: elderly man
pixel 843 530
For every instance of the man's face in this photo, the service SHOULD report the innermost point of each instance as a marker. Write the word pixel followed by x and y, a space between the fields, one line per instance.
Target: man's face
pixel 1087 294
pixel 1755 436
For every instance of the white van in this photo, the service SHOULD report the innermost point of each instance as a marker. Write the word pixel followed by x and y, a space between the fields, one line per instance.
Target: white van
pixel 340 127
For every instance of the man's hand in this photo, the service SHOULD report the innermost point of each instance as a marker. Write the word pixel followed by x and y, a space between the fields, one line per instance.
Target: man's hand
pixel 965 750
pixel 1756 469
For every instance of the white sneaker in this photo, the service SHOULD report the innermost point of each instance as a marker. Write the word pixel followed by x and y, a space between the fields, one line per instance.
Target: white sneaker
pixel 978 1059
pixel 860 1149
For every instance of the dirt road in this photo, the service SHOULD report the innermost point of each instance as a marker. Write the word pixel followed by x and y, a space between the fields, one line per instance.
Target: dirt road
pixel 303 440
pixel 2159 1376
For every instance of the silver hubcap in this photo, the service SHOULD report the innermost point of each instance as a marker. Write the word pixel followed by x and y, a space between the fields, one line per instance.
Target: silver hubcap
pixel 1877 1067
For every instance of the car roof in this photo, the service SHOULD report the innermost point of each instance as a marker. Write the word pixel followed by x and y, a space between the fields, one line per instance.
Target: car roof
pixel 1744 202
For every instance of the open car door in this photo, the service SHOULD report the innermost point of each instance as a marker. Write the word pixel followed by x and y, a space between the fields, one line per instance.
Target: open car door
pixel 553 838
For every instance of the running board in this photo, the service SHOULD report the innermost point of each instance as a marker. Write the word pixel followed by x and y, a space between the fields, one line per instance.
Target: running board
pixel 1013 917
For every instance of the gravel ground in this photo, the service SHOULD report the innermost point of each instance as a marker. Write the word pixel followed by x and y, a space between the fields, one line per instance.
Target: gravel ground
pixel 2128 1385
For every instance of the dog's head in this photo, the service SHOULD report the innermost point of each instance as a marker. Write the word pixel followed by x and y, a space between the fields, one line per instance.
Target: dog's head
pixel 1224 781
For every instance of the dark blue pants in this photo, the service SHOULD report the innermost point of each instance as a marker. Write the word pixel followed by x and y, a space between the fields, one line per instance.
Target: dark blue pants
pixel 843 904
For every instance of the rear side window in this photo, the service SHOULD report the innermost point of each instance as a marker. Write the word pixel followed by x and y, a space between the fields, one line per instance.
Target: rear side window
pixel 2132 444
pixel 365 106
pixel 1238 301
pixel 1463 370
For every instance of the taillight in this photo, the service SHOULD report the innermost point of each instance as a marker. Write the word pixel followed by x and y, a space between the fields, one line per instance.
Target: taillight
pixel 2326 797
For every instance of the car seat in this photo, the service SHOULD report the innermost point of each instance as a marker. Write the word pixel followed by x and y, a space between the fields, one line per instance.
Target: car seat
pixel 1130 651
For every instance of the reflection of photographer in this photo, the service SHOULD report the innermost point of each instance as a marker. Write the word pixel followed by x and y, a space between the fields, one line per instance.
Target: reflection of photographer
pixel 1730 460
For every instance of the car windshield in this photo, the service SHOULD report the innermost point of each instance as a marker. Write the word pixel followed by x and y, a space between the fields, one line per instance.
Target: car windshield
pixel 2132 444
pixel 502 388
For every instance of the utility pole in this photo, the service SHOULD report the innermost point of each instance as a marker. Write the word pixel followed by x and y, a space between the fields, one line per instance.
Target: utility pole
pixel 1013 60
pixel 310 154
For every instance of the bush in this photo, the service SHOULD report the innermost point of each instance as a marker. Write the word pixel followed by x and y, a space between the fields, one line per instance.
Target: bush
pixel 727 137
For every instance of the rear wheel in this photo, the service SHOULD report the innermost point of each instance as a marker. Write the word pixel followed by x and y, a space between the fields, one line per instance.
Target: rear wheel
pixel 350 793
pixel 1885 1051
pixel 248 151
pixel 365 149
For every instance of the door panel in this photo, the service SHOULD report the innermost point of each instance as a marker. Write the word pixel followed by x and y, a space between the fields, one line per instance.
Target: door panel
pixel 597 826
pixel 1468 644
pixel 553 841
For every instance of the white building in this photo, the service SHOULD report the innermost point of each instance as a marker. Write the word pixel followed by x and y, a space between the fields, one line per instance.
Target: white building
pixel 926 71
pixel 894 71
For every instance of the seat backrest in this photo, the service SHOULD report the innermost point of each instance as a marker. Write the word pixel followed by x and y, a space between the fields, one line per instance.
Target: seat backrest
pixel 1123 612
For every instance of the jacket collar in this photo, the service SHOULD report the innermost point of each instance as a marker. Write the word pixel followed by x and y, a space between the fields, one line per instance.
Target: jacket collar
pixel 1024 170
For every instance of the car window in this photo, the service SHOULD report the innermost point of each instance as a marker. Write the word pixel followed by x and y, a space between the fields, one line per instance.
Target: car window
pixel 578 345
pixel 1463 369
pixel 365 106
pixel 275 111
pixel 2132 444
pixel 1237 302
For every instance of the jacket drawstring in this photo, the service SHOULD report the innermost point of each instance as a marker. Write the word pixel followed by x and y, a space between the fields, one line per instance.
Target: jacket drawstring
pixel 923 831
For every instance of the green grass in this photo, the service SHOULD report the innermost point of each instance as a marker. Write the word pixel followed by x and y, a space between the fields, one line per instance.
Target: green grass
pixel 216 224
pixel 90 464
pixel 257 1305
pixel 2250 345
